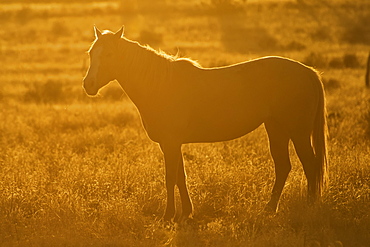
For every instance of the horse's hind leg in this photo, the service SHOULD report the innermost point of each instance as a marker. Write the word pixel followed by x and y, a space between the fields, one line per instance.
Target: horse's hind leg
pixel 302 145
pixel 279 148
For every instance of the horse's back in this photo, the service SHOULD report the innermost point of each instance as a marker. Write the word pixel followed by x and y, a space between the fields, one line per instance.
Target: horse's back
pixel 272 84
pixel 228 102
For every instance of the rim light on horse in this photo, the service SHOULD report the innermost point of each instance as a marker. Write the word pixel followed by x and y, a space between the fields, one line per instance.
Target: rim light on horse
pixel 181 102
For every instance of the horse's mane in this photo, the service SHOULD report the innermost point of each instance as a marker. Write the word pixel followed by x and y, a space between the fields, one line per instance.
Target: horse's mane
pixel 159 53
pixel 172 58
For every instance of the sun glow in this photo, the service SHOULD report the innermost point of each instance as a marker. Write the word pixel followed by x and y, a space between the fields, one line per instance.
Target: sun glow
pixel 81 171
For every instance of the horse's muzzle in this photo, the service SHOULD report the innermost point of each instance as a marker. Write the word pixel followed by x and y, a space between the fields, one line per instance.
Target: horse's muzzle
pixel 89 87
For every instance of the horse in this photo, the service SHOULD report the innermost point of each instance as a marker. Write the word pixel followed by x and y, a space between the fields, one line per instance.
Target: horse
pixel 181 102
pixel 367 75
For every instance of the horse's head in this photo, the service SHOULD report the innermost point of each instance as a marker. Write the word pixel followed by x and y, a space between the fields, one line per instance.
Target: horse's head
pixel 103 57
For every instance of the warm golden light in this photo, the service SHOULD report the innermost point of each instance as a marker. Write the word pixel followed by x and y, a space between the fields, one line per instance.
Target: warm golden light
pixel 81 171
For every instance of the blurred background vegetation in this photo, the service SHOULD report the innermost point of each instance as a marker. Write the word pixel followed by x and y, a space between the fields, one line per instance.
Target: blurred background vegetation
pixel 45 41
pixel 79 171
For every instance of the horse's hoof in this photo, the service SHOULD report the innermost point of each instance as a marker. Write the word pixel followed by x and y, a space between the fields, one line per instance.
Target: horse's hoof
pixel 168 217
pixel 187 223
pixel 270 209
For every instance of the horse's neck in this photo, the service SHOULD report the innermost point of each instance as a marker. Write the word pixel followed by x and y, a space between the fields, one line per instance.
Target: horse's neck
pixel 140 72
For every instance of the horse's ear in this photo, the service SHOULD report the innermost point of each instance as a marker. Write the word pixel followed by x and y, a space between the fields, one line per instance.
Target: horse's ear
pixel 97 32
pixel 119 33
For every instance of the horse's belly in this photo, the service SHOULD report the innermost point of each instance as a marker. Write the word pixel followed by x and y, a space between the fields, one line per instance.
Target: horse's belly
pixel 217 135
pixel 223 126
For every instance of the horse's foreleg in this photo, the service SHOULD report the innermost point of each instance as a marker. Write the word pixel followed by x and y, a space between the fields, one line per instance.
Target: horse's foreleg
pixel 279 149
pixel 172 156
pixel 187 206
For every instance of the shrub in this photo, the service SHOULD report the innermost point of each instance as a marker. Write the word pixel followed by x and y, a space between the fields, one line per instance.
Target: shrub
pixel 331 84
pixel 226 6
pixel 322 34
pixel 59 28
pixel 357 31
pixel 295 46
pixel 49 92
pixel 315 60
pixel 23 15
pixel 336 63
pixel 351 61
pixel 346 61
pixel 247 39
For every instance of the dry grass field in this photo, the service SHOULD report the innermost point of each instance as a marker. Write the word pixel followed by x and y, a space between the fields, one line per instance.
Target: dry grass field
pixel 80 171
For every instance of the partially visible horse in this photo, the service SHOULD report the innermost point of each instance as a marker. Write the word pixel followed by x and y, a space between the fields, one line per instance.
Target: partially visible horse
pixel 367 75
pixel 181 102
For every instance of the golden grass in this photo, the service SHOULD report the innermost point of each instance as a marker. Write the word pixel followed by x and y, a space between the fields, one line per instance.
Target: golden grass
pixel 79 171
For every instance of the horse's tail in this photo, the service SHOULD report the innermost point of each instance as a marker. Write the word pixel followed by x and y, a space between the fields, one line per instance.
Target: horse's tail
pixel 319 140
